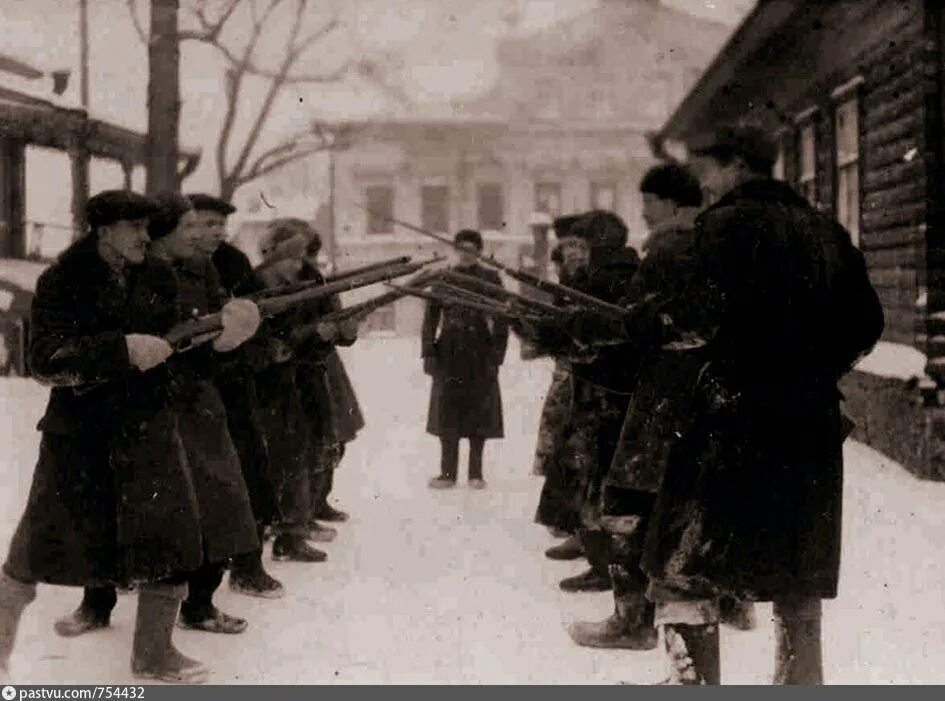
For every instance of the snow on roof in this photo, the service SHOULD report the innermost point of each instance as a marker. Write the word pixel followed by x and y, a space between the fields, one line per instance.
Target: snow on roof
pixel 894 360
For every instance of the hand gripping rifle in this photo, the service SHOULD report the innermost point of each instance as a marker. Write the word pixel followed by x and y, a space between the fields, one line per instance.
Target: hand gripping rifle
pixel 577 297
pixel 195 331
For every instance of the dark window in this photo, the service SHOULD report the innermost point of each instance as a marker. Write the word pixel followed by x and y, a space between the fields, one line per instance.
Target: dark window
pixel 548 198
pixel 491 206
pixel 435 205
pixel 380 200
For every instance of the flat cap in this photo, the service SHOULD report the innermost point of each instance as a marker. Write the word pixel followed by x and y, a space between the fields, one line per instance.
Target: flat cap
pixel 751 143
pixel 469 236
pixel 110 206
pixel 209 203
pixel 562 225
pixel 601 229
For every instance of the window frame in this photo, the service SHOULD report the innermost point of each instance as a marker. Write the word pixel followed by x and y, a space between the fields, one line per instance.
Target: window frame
pixel 375 221
pixel 553 184
pixel 596 185
pixel 447 208
pixel 847 163
pixel 806 123
pixel 481 223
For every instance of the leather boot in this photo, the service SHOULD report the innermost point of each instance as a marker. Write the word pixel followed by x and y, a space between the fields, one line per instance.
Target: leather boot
pixel 570 549
pixel 693 654
pixel 798 657
pixel 94 613
pixel 153 655
pixel 589 580
pixel 14 597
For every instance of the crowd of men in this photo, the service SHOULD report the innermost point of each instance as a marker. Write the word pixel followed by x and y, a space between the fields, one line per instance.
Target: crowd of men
pixel 162 465
pixel 691 442
pixel 692 447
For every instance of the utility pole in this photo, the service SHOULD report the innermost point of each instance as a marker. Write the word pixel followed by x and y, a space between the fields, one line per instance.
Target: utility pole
pixel 161 149
pixel 79 147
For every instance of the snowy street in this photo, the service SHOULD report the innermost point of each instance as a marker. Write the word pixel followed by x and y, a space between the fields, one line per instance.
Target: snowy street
pixel 452 587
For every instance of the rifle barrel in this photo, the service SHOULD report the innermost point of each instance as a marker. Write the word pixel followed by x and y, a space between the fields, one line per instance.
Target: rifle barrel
pixel 576 296
pixel 344 274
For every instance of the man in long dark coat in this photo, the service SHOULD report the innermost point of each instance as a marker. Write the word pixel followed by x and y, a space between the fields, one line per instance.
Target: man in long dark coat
pixel 236 382
pixel 558 508
pixel 463 351
pixel 112 500
pixel 292 445
pixel 750 502
pixel 602 385
pixel 327 395
pixel 671 200
pixel 227 525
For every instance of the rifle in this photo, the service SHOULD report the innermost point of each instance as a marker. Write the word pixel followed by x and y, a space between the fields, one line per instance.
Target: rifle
pixel 347 275
pixel 445 300
pixel 401 260
pixel 491 290
pixel 362 309
pixel 553 288
pixel 184 335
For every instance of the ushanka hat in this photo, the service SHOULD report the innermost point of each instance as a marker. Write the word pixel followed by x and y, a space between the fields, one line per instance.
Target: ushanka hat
pixel 750 143
pixel 112 206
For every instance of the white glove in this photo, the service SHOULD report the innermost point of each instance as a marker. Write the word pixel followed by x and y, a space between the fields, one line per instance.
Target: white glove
pixel 146 352
pixel 240 319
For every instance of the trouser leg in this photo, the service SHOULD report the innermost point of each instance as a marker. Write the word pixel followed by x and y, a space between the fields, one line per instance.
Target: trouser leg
pixel 15 596
pixel 798 657
pixel 202 585
pixel 596 549
pixel 691 637
pixel 449 457
pixel 476 446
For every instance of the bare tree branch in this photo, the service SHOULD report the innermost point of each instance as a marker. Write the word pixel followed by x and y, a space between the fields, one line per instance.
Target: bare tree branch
pixel 136 21
pixel 234 81
pixel 278 163
pixel 268 102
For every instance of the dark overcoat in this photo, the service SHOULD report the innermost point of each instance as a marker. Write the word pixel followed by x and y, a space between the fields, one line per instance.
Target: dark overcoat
pixel 313 353
pixel 288 427
pixel 345 405
pixel 236 382
pixel 661 403
pixel 112 499
pixel 465 349
pixel 751 499
pixel 226 515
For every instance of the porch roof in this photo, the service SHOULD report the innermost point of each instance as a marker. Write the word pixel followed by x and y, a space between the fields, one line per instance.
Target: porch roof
pixel 42 122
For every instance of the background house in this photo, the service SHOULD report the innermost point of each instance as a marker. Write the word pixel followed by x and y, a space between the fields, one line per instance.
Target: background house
pixel 562 129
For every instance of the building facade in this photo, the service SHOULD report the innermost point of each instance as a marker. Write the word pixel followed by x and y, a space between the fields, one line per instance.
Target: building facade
pixel 563 129
pixel 853 91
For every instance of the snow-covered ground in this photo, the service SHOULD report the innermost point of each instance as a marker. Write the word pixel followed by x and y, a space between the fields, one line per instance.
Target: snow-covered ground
pixel 452 587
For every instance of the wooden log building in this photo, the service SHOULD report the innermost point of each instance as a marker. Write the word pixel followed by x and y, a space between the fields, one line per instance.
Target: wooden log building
pixel 853 91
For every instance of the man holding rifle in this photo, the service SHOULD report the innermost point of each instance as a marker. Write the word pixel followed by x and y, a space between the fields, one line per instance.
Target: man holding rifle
pixel 237 385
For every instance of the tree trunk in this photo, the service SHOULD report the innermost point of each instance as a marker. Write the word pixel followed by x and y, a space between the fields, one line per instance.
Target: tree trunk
pixel 163 98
